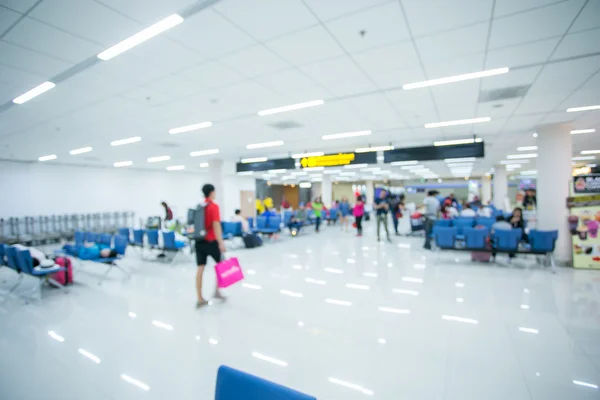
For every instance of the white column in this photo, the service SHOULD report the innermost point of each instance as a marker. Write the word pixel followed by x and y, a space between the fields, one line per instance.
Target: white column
pixel 486 190
pixel 553 180
pixel 370 192
pixel 216 177
pixel 326 190
pixel 500 187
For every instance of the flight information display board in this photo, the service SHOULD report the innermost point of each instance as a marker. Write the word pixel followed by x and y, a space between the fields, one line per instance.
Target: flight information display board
pixel 280 163
pixel 339 159
pixel 431 153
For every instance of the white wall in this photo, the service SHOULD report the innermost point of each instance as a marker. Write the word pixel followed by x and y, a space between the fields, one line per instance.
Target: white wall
pixel 40 189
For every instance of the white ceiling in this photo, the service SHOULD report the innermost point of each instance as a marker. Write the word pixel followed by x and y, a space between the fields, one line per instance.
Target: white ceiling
pixel 228 61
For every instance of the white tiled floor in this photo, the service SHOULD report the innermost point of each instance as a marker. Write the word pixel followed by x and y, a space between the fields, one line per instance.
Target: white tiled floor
pixel 333 315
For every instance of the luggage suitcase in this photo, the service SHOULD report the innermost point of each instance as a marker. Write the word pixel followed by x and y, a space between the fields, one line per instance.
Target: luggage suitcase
pixel 252 240
pixel 64 277
pixel 481 256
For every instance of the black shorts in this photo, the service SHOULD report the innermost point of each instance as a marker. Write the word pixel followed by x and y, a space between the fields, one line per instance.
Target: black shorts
pixel 205 249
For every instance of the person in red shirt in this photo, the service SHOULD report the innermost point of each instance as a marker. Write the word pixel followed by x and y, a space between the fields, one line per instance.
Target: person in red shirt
pixel 212 245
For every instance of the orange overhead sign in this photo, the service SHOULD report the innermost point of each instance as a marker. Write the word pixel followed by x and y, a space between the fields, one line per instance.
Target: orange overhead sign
pixel 332 160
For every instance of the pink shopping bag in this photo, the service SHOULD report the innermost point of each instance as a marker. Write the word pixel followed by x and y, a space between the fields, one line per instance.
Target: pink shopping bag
pixel 228 272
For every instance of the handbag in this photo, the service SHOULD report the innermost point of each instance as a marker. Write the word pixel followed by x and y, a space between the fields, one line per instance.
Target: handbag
pixel 228 272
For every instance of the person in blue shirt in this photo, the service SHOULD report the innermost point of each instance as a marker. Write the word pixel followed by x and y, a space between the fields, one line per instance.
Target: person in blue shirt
pixel 382 206
pixel 344 210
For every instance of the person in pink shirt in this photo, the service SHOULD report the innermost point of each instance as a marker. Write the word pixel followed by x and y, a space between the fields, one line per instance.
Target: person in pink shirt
pixel 358 211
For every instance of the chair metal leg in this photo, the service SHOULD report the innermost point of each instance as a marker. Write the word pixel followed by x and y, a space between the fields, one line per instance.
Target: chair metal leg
pixel 552 265
pixel 58 285
pixel 110 266
pixel 19 279
pixel 37 288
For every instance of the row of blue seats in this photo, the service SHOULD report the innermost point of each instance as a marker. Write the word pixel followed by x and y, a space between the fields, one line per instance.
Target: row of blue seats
pixel 506 241
pixel 21 262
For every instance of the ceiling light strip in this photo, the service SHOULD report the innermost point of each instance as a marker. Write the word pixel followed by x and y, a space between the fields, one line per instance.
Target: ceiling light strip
pixel 36 91
pixel 253 160
pixel 265 144
pixel 580 131
pixel 204 152
pixel 370 149
pixel 458 141
pixel 49 157
pixel 455 78
pixel 346 135
pixel 130 140
pixel 189 128
pixel 292 107
pixel 458 122
pixel 584 108
pixel 158 159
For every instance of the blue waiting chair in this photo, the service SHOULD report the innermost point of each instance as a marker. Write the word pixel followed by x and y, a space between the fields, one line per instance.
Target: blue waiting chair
pixel 237 385
pixel 485 221
pixel 544 242
pixel 90 237
pixel 475 238
pixel 443 222
pixel 125 232
pixel 138 237
pixel 25 264
pixel 263 225
pixel 444 237
pixel 79 238
pixel 104 240
pixel 461 223
pixel 10 253
pixel 172 245
pixel 287 217
pixel 120 246
pixel 507 240
pixel 152 235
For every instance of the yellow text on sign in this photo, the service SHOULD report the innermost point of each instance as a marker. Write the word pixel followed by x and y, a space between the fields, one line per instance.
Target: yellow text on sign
pixel 327 161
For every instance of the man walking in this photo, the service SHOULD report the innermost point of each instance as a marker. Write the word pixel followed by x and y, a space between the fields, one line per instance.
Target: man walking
pixel 432 207
pixel 212 245
pixel 382 206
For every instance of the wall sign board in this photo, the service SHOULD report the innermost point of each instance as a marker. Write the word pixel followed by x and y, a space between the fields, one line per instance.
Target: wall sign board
pixel 431 153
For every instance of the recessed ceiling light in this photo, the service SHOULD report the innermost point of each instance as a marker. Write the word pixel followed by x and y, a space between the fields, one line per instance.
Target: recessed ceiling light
pixel 584 108
pixel 583 158
pixel 80 151
pixel 586 384
pixel 175 167
pixel 205 165
pixel 352 386
pixel 535 134
pixel 458 165
pixel 579 131
pixel 36 91
pixel 346 135
pixel 513 166
pixel 141 37
pixel 412 162
pixel 292 107
pixel 312 154
pixel 458 122
pixel 204 152
pixel 49 157
pixel 455 78
pixel 527 148
pixel 458 141
pixel 135 382
pixel 377 148
pixel 305 185
pixel 120 164
pixel 265 144
pixel 126 141
pixel 590 152
pixel 189 128
pixel 254 160
pixel 158 159
pixel 458 160
pixel 518 156
pixel 270 359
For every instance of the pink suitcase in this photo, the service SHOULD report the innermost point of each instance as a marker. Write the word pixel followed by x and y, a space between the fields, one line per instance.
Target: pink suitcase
pixel 63 277
pixel 228 272
pixel 481 256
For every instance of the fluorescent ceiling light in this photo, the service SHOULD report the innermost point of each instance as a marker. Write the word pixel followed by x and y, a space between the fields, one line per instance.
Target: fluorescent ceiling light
pixel 315 281
pixel 331 171
pixel 590 385
pixel 527 148
pixel 457 141
pixel 347 173
pixel 162 325
pixel 269 359
pixel 409 279
pixel 531 172
pixel 126 141
pixel 377 148
pixel 266 144
pixel 346 135
pixel 314 169
pixel 246 173
pixel 89 355
pixel 458 160
pixel 56 336
pixel 254 160
pixel 528 330
pixel 305 185
pixel 120 164
pixel 590 152
pixel 141 37
pixel 519 156
pixel 334 270
pixel 80 151
pixel 292 107
pixel 352 386
pixel 277 171
pixel 190 128
pixel 370 274
pixel 405 291
pixel 158 159
pixel 513 166
pixel 204 165
pixel 204 152
pixel 290 293
pixel 585 108
pixel 175 167
pixel 457 122
pixel 459 165
pixel 583 158
pixel 353 166
pixel 579 131
pixel 412 162
pixel 135 382
pixel 313 154
pixel 251 286
pixel 338 302
pixel 459 319
pixel 413 167
pixel 355 286
pixel 48 157
pixel 455 78
pixel 508 162
pixel 370 169
pixel 36 91
pixel 394 310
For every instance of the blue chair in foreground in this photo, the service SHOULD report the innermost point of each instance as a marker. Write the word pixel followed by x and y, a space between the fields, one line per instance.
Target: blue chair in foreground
pixel 11 262
pixel 104 240
pixel 443 222
pixel 125 232
pixel 485 221
pixel 506 241
pixel 138 237
pixel 172 245
pixel 232 230
pixel 25 264
pixel 263 225
pixel 543 243
pixel 444 237
pixel 120 246
pixel 461 223
pixel 475 238
pixel 237 385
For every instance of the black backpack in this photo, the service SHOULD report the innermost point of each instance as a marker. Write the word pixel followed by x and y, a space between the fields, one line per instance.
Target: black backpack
pixel 196 217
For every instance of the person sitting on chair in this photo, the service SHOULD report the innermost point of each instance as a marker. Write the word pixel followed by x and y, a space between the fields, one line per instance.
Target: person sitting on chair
pixel 297 220
pixel 239 218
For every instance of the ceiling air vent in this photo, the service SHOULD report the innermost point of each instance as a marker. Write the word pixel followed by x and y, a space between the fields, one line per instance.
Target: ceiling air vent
pixel 283 125
pixel 503 94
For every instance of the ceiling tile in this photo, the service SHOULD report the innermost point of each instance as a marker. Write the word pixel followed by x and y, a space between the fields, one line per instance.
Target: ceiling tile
pixel 164 54
pixel 253 94
pixel 7 18
pixel 147 96
pixel 522 54
pixel 257 19
pixel 516 77
pixel 428 17
pixel 455 66
pixel 388 58
pixel 148 11
pixel 212 74
pixel 445 99
pixel 32 61
pixel 20 6
pixel 589 17
pixel 396 78
pixel 333 70
pixel 327 10
pixel 307 46
pixel 416 106
pixel 533 25
pixel 504 7
pixel 284 81
pixel 198 33
pixel 578 44
pixel 376 109
pixel 454 44
pixel 562 78
pixel 86 19
pixel 176 85
pixel 383 25
pixel 254 61
pixel 45 39
pixel 540 104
